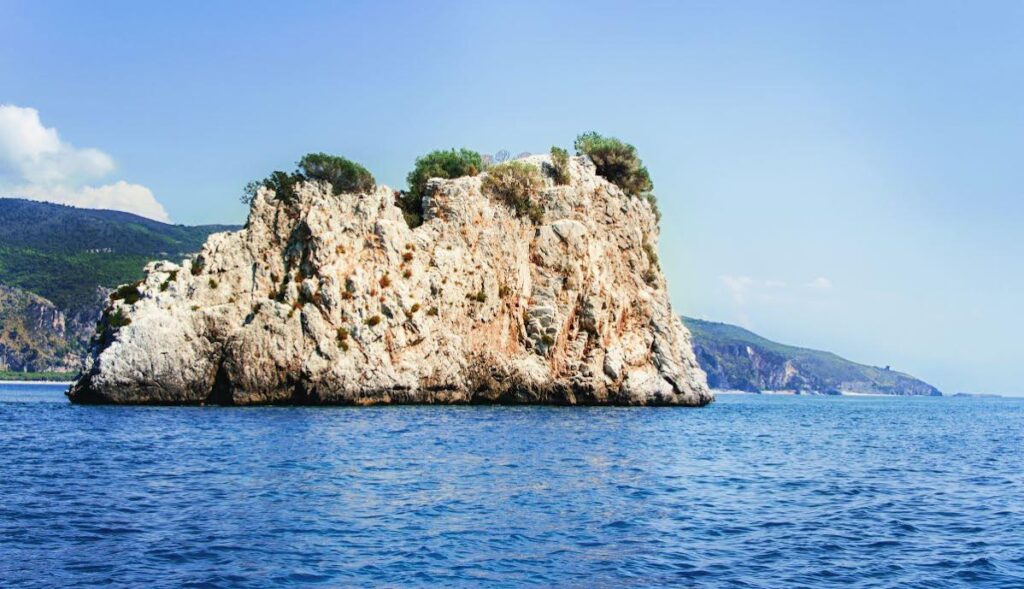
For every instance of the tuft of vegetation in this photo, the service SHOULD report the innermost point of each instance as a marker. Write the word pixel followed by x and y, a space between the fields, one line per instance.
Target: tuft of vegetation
pixel 617 162
pixel 282 183
pixel 212 283
pixel 343 339
pixel 171 277
pixel 653 201
pixel 480 296
pixel 373 321
pixel 650 276
pixel 432 312
pixel 652 254
pixel 407 257
pixel 129 293
pixel 517 184
pixel 436 164
pixel 342 174
pixel 407 273
pixel 547 340
pixel 415 307
pixel 560 166
pixel 504 291
pixel 117 320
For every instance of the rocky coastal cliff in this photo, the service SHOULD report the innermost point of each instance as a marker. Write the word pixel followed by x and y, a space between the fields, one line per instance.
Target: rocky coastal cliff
pixel 328 298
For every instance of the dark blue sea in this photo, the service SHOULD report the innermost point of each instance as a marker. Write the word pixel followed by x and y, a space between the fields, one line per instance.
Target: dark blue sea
pixel 748 492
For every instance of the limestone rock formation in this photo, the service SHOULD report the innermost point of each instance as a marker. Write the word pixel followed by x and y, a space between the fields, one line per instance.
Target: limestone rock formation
pixel 333 299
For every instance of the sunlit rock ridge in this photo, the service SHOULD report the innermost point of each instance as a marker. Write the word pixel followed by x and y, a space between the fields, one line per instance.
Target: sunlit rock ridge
pixel 334 299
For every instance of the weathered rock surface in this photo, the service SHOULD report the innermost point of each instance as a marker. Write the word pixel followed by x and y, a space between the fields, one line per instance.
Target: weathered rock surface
pixel 333 299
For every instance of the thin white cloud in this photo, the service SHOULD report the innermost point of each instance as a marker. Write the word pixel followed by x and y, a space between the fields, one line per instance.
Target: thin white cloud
pixel 36 164
pixel 739 286
pixel 119 196
pixel 744 288
pixel 819 283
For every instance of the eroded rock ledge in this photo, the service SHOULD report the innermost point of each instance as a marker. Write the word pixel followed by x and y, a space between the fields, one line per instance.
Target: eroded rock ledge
pixel 333 299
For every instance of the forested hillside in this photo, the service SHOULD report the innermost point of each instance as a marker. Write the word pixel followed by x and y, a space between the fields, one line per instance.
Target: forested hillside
pixel 58 262
pixel 63 253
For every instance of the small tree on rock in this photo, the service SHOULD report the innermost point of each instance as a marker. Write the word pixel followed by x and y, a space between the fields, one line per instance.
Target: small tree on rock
pixel 436 164
pixel 617 162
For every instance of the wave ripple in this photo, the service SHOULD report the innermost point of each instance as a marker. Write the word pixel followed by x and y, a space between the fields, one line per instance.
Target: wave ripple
pixel 749 492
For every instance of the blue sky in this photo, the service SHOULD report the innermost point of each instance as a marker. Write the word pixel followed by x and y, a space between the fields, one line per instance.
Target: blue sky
pixel 841 175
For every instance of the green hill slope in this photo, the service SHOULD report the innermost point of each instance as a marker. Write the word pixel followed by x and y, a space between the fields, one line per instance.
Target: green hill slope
pixel 63 253
pixel 61 259
pixel 735 358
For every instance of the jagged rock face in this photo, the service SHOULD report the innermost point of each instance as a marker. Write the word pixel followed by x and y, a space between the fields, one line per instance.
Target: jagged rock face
pixel 334 299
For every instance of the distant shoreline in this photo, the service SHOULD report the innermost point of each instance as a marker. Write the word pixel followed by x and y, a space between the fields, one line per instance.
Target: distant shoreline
pixel 794 394
pixel 52 382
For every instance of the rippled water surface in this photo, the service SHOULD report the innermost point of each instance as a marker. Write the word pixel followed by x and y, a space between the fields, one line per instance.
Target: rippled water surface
pixel 748 492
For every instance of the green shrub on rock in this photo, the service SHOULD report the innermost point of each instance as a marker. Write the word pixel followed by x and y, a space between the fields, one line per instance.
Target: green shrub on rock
pixel 517 184
pixel 342 174
pixel 282 183
pixel 653 201
pixel 560 165
pixel 118 319
pixel 617 162
pixel 436 164
pixel 111 322
pixel 129 293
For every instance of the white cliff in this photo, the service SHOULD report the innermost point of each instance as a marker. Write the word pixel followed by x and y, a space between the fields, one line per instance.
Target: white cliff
pixel 333 299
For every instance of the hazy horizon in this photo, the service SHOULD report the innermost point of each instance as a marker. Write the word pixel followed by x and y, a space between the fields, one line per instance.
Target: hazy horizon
pixel 835 176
